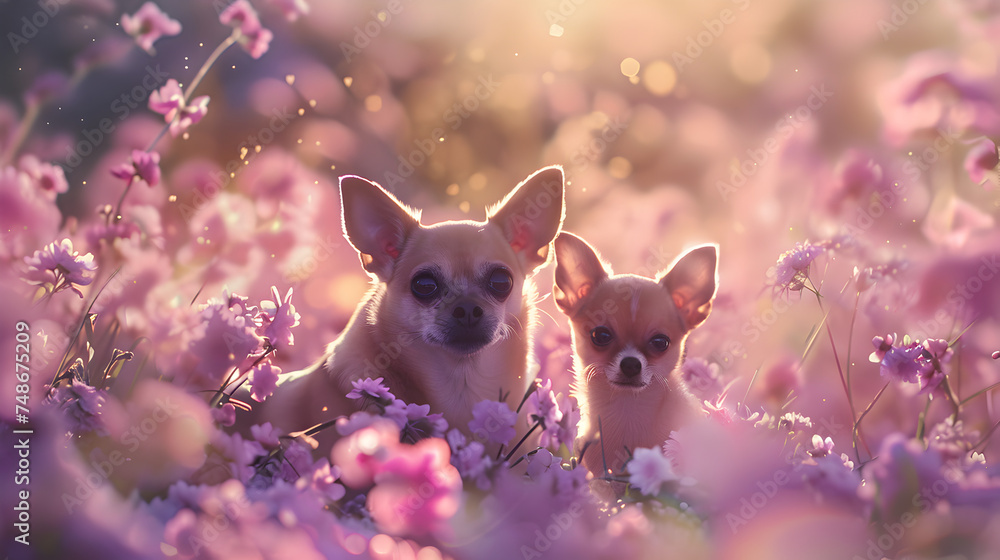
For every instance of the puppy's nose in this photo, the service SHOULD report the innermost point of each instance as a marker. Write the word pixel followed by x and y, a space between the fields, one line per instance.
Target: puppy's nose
pixel 631 366
pixel 467 313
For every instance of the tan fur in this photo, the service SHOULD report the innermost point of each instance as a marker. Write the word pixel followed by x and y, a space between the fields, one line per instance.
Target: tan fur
pixel 405 340
pixel 634 309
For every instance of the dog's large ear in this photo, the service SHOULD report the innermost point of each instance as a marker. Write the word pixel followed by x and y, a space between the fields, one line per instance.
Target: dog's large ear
pixel 531 215
pixel 692 281
pixel 578 271
pixel 375 223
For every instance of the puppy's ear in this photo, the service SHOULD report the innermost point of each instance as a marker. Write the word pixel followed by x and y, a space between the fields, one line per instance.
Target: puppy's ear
pixel 531 215
pixel 692 280
pixel 578 271
pixel 375 223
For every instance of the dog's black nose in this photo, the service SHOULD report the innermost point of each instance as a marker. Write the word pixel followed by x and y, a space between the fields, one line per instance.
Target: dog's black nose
pixel 631 366
pixel 467 313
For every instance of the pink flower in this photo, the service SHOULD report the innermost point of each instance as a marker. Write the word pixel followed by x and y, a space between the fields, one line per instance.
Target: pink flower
pixel 82 406
pixel 277 319
pixel 648 470
pixel 266 434
pixel 702 378
pixel 913 362
pixel 417 490
pixel 145 166
pixel 50 179
pixel 256 42
pixel 493 421
pixel 169 101
pixel 59 267
pixel 253 37
pixel 149 24
pixel 263 380
pixel 982 163
pixel 292 8
pixel 228 336
pixel 934 95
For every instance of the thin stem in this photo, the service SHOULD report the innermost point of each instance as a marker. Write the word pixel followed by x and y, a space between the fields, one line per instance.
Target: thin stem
pixel 34 109
pixel 523 439
pixel 836 358
pixel 188 91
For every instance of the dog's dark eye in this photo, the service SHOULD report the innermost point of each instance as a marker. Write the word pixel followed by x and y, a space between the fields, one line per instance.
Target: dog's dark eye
pixel 501 282
pixel 659 342
pixel 424 286
pixel 601 336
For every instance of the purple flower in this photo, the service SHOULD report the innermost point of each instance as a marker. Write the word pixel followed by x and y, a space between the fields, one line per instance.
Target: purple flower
pixel 493 421
pixel 648 470
pixel 149 24
pixel 225 415
pixel 82 406
pixel 912 362
pixel 982 163
pixel 145 166
pixel 59 267
pixel 470 459
pixel 50 179
pixel 277 319
pixel 266 434
pixel 169 101
pixel 702 378
pixel 792 269
pixel 263 380
pixel 543 407
pixel 254 38
pixel 228 337
pixel 371 389
pixel 540 463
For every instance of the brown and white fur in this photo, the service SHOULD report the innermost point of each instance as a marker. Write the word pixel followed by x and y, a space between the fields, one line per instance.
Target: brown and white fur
pixel 465 341
pixel 628 340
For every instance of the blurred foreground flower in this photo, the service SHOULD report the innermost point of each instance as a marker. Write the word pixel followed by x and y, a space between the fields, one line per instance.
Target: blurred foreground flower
pixel 149 24
pixel 58 267
pixel 982 163
pixel 649 469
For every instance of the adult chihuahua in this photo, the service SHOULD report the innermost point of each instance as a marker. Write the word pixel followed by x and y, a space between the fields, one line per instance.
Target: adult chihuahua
pixel 448 319
pixel 628 339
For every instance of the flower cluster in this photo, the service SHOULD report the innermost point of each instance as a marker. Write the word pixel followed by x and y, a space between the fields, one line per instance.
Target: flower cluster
pixel 911 361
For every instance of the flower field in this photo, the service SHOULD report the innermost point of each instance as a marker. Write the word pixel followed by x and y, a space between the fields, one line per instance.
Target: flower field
pixel 171 224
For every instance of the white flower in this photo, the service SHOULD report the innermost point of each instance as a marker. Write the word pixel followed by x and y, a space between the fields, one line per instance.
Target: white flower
pixel 649 469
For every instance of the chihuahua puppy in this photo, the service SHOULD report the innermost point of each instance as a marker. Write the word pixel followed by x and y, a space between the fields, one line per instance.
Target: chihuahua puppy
pixel 628 339
pixel 448 319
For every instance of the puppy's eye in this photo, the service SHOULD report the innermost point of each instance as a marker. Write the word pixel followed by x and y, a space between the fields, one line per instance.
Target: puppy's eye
pixel 500 282
pixel 601 336
pixel 659 343
pixel 424 286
